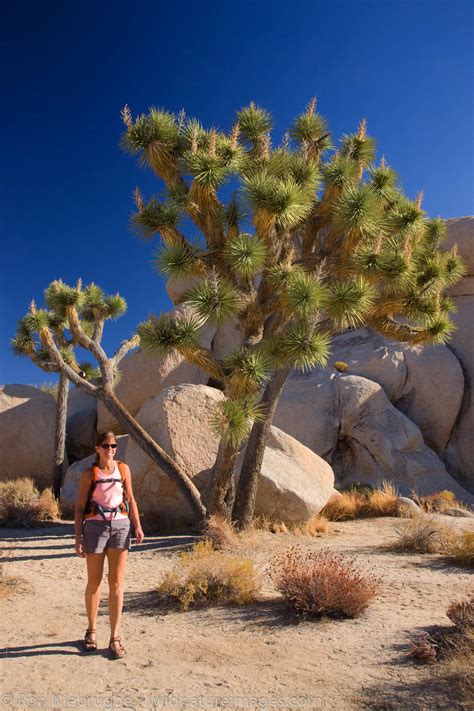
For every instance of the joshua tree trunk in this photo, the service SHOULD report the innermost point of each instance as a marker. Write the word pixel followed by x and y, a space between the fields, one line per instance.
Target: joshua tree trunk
pixel 244 505
pixel 60 435
pixel 154 451
pixel 222 489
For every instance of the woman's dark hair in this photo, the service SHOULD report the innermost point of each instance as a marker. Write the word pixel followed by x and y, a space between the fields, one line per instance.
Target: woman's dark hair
pixel 100 439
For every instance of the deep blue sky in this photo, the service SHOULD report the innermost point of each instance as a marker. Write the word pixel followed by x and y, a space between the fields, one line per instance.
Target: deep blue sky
pixel 69 67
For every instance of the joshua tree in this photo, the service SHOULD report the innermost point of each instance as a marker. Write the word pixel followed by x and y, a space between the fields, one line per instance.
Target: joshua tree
pixel 83 312
pixel 307 248
pixel 24 345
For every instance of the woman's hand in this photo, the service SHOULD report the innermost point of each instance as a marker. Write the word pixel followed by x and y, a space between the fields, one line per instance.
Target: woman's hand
pixel 139 535
pixel 79 549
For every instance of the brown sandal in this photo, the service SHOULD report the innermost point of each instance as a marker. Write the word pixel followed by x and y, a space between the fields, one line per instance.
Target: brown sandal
pixel 89 644
pixel 118 651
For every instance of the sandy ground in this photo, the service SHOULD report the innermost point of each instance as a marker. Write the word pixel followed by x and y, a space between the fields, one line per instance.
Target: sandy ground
pixel 220 657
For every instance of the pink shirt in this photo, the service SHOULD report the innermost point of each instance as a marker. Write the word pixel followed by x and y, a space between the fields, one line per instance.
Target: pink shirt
pixel 109 495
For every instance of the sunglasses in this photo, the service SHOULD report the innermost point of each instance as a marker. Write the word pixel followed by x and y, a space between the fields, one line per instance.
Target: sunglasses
pixel 108 446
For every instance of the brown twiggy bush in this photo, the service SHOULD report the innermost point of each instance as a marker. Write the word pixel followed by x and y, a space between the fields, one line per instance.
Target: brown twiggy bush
pixel 452 650
pixel 423 534
pixel 219 531
pixel 424 648
pixel 205 575
pixel 321 583
pixel 21 504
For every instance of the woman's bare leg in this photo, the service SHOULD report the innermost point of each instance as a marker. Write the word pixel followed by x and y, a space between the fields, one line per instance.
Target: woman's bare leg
pixel 117 557
pixel 95 570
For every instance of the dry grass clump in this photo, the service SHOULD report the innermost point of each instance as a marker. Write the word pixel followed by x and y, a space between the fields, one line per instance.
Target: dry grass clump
pixel 461 614
pixel 317 525
pixel 11 585
pixel 438 502
pixel 423 534
pixel 452 649
pixel 461 550
pixel 362 502
pixel 205 575
pixel 322 583
pixel 21 504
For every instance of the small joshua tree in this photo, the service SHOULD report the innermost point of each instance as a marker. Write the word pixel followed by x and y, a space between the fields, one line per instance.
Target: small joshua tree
pixel 82 312
pixel 24 344
pixel 307 248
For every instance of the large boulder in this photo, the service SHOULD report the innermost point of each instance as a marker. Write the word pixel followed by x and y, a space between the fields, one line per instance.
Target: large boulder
pixel 295 482
pixel 434 410
pixel 27 429
pixel 81 424
pixel 460 451
pixel 378 442
pixel 407 374
pixel 144 374
pixel 70 487
pixel 308 410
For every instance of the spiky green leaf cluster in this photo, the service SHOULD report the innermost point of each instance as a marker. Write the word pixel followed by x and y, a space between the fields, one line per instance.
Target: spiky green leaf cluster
pixel 358 210
pixel 350 302
pixel 284 198
pixel 361 150
pixel 155 217
pixel 215 300
pixel 254 122
pixel 248 369
pixel 303 347
pixel 162 334
pixel 246 255
pixel 303 295
pixel 59 296
pixel 157 126
pixel 233 418
pixel 177 260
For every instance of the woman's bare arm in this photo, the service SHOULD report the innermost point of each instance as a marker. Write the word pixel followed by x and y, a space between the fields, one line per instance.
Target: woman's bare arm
pixel 134 516
pixel 81 501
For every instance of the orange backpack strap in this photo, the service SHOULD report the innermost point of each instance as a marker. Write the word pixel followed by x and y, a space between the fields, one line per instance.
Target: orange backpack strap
pixel 90 509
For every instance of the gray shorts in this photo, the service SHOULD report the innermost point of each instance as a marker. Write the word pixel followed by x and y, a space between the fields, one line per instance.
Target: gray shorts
pixel 97 536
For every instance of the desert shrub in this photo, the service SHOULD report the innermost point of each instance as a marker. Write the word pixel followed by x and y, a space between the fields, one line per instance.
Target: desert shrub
pixel 321 583
pixel 461 613
pixel 205 575
pixel 453 651
pixel 423 534
pixel 424 648
pixel 21 504
pixel 461 549
pixel 219 531
pixel 438 502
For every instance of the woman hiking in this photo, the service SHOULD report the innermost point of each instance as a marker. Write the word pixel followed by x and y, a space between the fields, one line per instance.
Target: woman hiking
pixel 104 509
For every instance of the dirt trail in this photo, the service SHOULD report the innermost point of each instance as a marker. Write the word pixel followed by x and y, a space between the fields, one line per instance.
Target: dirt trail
pixel 218 657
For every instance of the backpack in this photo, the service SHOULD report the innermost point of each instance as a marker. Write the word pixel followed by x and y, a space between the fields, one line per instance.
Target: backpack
pixel 92 508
